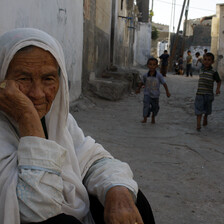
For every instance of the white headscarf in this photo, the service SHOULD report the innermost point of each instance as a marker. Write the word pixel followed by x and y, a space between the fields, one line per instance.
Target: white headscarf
pixel 17 39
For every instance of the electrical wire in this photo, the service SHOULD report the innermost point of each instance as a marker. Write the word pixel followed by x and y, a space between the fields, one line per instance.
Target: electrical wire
pixel 190 7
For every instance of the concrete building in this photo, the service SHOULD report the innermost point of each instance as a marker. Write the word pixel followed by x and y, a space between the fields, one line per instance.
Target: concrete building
pixel 94 34
pixel 217 42
pixel 113 36
pixel 61 19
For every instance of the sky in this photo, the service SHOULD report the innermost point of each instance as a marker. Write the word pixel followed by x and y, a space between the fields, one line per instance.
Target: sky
pixel 166 12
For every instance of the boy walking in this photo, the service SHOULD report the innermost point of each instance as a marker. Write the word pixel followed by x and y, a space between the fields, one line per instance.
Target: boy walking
pixel 152 81
pixel 164 62
pixel 204 95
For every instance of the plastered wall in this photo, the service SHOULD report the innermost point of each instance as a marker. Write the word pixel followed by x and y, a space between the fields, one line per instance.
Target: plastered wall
pixel 62 19
pixel 142 44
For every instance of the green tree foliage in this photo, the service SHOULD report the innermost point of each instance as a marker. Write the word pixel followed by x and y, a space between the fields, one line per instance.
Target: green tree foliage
pixel 155 33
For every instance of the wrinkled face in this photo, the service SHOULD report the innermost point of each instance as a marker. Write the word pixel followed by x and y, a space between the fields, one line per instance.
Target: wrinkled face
pixel 152 65
pixel 207 61
pixel 36 72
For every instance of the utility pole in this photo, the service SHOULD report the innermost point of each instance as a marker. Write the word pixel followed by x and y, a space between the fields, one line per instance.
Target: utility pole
pixel 176 37
pixel 185 27
pixel 172 20
pixel 151 13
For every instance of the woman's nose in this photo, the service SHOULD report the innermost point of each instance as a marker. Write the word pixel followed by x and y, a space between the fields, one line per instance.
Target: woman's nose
pixel 36 90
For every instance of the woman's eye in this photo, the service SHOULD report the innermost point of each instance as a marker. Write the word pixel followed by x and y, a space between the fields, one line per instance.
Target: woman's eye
pixel 24 79
pixel 49 78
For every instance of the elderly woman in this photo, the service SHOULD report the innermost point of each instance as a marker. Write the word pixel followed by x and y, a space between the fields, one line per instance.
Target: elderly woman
pixel 48 168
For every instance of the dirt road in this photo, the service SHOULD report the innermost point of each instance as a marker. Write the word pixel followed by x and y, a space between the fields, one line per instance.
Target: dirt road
pixel 180 170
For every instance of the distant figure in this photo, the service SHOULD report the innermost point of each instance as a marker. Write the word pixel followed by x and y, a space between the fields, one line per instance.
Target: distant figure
pixel 199 61
pixel 164 62
pixel 205 52
pixel 204 95
pixel 176 68
pixel 152 81
pixel 189 64
pixel 180 65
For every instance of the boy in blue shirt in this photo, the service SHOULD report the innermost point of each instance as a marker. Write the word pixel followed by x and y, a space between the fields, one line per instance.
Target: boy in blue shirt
pixel 151 82
pixel 205 95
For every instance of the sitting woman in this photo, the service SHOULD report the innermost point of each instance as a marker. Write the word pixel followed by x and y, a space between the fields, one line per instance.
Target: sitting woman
pixel 49 171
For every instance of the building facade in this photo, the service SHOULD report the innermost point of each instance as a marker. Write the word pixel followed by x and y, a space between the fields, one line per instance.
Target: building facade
pixel 94 34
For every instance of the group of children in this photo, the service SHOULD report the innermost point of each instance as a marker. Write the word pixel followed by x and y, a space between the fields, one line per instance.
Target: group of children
pixel 204 95
pixel 179 68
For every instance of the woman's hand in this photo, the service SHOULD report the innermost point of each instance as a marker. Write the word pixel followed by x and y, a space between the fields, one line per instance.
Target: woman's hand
pixel 18 106
pixel 13 102
pixel 120 207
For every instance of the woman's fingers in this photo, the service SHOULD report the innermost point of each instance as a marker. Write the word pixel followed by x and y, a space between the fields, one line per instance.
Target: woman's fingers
pixel 3 84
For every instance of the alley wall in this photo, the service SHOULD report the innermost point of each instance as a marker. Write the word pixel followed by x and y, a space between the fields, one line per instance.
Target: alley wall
pixel 109 33
pixel 217 46
pixel 61 19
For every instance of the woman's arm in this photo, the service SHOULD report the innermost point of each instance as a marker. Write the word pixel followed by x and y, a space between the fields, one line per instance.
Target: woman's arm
pixel 112 182
pixel 40 186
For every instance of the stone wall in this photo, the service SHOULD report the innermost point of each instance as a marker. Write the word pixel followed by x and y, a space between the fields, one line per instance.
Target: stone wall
pixel 202 35
pixel 192 23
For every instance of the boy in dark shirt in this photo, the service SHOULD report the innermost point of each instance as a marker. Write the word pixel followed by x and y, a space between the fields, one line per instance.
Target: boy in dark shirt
pixel 164 62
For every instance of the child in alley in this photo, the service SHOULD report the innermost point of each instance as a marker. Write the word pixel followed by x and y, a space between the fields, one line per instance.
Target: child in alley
pixel 151 82
pixel 204 95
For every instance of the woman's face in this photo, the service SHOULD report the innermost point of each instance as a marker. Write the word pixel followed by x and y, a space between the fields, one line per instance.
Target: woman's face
pixel 36 73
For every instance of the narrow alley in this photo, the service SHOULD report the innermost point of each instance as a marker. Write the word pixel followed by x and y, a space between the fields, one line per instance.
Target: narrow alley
pixel 179 169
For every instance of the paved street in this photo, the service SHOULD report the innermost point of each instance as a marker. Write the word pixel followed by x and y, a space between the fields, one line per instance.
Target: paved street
pixel 180 170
